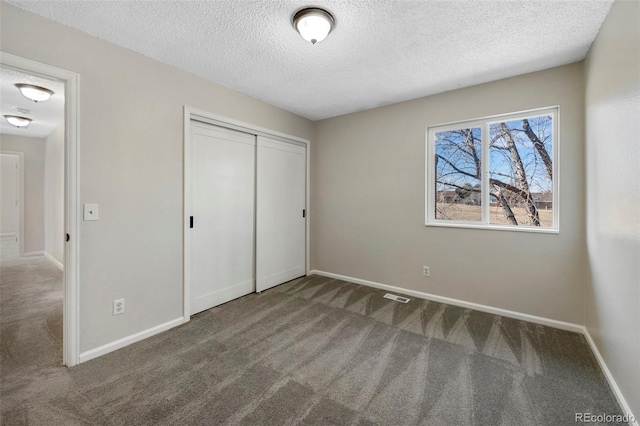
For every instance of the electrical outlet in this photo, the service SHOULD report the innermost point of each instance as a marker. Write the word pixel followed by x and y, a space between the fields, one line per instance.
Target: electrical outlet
pixel 118 307
pixel 425 271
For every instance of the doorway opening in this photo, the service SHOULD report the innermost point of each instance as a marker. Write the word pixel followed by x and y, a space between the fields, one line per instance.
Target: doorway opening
pixel 39 207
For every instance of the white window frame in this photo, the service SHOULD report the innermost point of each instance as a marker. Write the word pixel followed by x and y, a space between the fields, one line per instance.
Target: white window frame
pixel 483 123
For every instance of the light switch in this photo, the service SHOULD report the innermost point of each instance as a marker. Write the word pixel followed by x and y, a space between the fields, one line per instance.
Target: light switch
pixel 90 212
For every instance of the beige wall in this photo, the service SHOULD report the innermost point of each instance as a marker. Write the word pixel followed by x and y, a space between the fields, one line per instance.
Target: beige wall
pixel 10 195
pixel 54 194
pixel 613 195
pixel 131 128
pixel 368 198
pixel 33 212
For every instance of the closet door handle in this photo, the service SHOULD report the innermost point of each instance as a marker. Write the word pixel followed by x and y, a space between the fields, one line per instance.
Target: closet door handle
pixel 190 221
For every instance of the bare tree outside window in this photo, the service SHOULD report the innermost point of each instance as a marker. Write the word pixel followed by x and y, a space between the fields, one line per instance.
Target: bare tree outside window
pixel 458 171
pixel 520 173
pixel 521 170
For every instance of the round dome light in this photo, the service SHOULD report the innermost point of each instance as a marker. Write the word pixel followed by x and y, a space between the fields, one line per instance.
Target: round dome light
pixel 313 24
pixel 35 93
pixel 18 121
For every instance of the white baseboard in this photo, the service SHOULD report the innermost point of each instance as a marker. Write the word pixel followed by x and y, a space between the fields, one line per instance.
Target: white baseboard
pixel 504 312
pixel 34 253
pixel 126 341
pixel 614 386
pixel 55 261
pixel 456 302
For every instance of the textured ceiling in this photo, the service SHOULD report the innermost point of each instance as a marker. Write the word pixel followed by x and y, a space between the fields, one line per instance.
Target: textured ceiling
pixel 46 115
pixel 380 52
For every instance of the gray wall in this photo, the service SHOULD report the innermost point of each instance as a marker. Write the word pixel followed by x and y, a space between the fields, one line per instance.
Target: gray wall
pixel 131 140
pixel 613 195
pixel 368 198
pixel 54 194
pixel 33 211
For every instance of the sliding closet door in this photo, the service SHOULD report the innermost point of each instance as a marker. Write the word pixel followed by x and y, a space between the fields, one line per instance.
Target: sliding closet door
pixel 280 221
pixel 222 179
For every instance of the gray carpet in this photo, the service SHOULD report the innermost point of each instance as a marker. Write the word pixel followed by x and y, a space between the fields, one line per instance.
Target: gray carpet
pixel 314 351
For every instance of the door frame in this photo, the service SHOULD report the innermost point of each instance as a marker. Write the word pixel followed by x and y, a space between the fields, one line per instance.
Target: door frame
pixel 20 185
pixel 71 303
pixel 191 113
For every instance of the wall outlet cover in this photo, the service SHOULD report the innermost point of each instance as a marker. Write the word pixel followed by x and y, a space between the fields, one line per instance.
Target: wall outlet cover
pixel 118 306
pixel 90 212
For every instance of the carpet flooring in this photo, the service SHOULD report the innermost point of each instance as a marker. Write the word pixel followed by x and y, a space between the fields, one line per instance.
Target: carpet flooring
pixel 314 351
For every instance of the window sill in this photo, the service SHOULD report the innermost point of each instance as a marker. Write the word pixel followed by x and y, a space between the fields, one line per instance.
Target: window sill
pixel 529 229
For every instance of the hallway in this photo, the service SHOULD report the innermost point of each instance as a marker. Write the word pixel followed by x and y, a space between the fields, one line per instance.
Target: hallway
pixel 31 297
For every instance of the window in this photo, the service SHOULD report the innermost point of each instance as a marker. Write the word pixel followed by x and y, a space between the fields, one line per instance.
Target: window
pixel 497 172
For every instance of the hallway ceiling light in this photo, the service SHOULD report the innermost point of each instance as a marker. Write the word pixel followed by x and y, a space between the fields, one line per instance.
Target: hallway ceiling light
pixel 35 93
pixel 313 24
pixel 18 121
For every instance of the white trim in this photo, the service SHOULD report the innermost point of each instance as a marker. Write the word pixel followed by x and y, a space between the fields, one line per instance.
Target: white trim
pixel 476 225
pixel 456 302
pixel 612 382
pixel 485 159
pixel 71 306
pixel 229 123
pixel 8 234
pixel 307 210
pixel 186 213
pixel 34 253
pixel 53 260
pixel 20 235
pixel 126 341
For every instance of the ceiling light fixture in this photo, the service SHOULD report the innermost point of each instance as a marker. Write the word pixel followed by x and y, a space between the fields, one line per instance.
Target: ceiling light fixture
pixel 35 93
pixel 313 24
pixel 18 121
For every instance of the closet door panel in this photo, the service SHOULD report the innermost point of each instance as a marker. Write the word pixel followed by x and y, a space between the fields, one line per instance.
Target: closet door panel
pixel 223 208
pixel 280 202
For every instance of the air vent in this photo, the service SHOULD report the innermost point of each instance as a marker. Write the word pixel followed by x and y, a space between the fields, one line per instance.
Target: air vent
pixel 22 110
pixel 396 298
